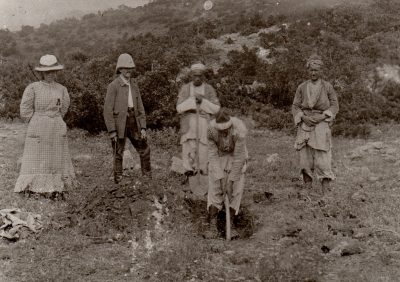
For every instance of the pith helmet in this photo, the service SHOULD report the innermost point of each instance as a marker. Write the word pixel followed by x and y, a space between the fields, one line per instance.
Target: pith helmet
pixel 124 61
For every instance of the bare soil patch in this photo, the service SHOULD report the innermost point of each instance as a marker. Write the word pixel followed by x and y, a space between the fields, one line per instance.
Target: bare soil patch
pixel 151 230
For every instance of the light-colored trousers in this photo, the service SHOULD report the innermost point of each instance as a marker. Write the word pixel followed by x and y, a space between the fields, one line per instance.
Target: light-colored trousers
pixel 189 155
pixel 215 195
pixel 318 161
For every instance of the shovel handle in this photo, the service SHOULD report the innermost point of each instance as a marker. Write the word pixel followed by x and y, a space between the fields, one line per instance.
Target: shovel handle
pixel 227 218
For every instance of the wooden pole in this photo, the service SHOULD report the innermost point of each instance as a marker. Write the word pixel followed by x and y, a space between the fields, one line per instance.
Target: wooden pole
pixel 227 213
pixel 228 218
pixel 198 142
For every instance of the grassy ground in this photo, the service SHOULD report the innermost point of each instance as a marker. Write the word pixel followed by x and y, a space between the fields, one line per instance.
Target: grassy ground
pixel 150 230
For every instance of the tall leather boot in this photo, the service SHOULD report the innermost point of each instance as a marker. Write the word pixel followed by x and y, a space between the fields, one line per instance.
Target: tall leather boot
pixel 326 184
pixel 145 163
pixel 307 181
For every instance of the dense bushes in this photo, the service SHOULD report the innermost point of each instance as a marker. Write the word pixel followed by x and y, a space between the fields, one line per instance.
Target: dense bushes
pixel 352 42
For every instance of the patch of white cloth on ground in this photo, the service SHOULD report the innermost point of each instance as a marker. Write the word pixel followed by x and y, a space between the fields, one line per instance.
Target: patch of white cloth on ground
pixel 14 221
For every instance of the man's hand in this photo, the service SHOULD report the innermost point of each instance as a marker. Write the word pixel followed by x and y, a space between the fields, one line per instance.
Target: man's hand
pixel 199 98
pixel 309 121
pixel 143 133
pixel 113 136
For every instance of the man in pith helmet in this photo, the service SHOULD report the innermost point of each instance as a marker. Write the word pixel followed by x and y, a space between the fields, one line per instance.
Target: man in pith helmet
pixel 125 117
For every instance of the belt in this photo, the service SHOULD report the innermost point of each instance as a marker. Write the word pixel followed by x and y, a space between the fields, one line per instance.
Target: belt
pixel 314 111
pixel 131 112
pixel 201 113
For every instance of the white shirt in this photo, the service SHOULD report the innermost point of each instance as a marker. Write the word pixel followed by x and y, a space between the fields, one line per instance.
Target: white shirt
pixel 130 101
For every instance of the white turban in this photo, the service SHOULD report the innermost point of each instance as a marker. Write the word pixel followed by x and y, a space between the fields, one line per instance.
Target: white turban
pixel 198 68
pixel 314 62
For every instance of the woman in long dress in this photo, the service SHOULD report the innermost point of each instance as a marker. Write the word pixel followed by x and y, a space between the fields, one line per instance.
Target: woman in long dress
pixel 46 164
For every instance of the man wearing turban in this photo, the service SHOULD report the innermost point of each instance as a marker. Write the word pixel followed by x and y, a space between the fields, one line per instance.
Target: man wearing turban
pixel 228 155
pixel 314 108
pixel 195 97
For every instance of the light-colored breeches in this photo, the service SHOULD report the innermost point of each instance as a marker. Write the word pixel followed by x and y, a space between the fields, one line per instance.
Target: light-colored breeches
pixel 215 195
pixel 189 156
pixel 316 160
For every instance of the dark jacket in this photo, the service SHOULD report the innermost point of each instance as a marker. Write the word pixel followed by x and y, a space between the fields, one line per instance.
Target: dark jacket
pixel 116 106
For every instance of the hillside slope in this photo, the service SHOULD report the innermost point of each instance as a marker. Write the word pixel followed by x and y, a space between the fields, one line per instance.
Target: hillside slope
pixel 357 41
pixel 155 17
pixel 152 230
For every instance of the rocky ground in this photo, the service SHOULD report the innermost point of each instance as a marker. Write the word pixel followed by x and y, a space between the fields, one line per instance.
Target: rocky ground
pixel 150 230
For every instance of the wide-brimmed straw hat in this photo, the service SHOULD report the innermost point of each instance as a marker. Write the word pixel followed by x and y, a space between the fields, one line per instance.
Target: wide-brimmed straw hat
pixel 49 63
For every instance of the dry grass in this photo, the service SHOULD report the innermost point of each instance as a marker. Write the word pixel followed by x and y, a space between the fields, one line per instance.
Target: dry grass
pixel 293 226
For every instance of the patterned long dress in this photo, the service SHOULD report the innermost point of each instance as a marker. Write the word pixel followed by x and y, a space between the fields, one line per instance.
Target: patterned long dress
pixel 46 163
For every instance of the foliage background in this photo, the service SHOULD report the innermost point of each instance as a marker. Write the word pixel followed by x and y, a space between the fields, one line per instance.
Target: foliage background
pixel 166 36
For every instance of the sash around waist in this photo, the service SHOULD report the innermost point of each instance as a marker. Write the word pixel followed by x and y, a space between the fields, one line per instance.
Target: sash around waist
pixel 308 111
pixel 193 113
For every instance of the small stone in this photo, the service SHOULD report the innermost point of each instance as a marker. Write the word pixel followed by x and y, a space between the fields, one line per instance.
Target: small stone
pixel 271 159
pixel 377 145
pixel 359 197
pixel 391 151
pixel 391 159
pixel 366 149
pixel 373 178
pixel 360 235
pixel 348 248
pixel 352 249
pixel 229 253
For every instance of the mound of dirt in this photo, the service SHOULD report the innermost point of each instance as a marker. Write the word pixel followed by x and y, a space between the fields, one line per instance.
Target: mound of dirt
pixel 116 210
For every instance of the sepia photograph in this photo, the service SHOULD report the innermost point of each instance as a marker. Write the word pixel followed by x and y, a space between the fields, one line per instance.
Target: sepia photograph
pixel 200 140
